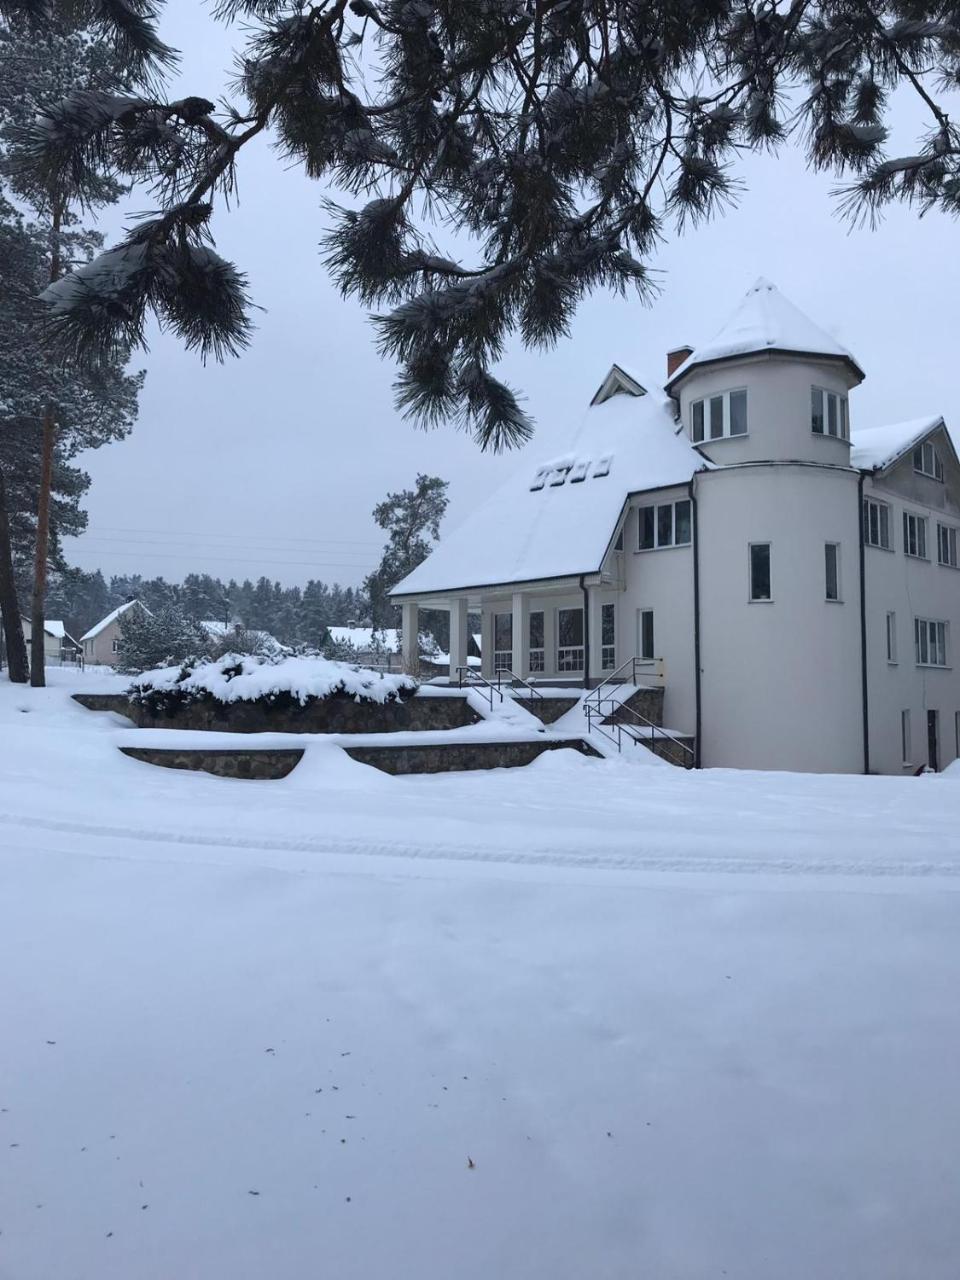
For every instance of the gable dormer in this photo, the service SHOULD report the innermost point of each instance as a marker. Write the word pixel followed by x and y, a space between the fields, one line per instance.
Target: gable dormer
pixel 770 385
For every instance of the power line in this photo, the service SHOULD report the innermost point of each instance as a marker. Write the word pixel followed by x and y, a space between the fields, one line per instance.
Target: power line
pixel 234 537
pixel 179 553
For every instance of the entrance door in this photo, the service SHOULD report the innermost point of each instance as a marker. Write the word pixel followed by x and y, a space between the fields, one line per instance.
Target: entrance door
pixel 933 738
pixel 645 634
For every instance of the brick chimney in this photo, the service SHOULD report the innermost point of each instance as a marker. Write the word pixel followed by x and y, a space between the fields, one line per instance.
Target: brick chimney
pixel 675 359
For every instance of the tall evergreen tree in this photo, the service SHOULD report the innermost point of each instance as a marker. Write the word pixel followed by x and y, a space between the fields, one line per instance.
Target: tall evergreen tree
pixel 551 142
pixel 412 521
pixel 37 67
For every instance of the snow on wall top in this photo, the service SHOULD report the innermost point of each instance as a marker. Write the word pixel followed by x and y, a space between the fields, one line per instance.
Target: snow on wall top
pixel 112 617
pixel 528 531
pixel 365 638
pixel 764 321
pixel 879 446
pixel 245 678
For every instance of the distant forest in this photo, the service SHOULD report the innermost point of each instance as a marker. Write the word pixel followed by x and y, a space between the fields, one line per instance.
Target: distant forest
pixel 295 615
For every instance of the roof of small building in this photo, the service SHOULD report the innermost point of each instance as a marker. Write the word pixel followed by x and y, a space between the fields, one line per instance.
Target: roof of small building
pixel 874 448
pixel 556 518
pixel 765 321
pixel 112 617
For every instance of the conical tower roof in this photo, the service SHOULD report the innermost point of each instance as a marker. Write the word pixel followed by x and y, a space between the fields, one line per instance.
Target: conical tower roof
pixel 766 321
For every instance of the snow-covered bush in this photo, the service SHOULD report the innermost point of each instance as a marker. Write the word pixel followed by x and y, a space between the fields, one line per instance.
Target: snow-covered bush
pixel 274 680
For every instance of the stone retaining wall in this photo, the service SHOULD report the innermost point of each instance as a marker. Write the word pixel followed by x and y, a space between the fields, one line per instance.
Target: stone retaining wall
pixel 454 756
pixel 258 764
pixel 337 714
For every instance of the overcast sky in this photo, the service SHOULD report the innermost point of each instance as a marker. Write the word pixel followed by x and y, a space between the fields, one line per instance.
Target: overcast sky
pixel 272 463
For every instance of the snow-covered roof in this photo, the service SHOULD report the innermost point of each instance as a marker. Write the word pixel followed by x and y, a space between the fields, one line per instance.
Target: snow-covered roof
pixel 54 628
pixel 363 638
pixel 556 519
pixel 765 321
pixel 878 447
pixel 112 617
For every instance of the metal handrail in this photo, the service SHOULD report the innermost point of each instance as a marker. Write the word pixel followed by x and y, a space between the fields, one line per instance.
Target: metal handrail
pixel 480 683
pixel 515 679
pixel 657 731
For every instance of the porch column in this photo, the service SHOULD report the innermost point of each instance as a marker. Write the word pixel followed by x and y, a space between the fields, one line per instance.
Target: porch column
pixel 520 640
pixel 459 637
pixel 410 623
pixel 594 636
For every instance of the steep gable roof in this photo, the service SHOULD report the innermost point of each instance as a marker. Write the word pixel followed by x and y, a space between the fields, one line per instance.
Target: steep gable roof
pixel 877 448
pixel 555 519
pixel 765 321
pixel 112 617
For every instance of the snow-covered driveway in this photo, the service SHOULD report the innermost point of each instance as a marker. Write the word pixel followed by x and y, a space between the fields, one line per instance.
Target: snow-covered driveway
pixel 516 1025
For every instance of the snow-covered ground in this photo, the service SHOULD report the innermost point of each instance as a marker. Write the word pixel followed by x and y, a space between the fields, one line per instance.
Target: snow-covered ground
pixel 583 1019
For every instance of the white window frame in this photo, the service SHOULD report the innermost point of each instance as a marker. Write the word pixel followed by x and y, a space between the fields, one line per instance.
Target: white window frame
pixel 838 598
pixel 750 596
pixel 891 636
pixel 933 470
pixel 947 539
pixel 656 508
pixel 608 652
pixel 707 435
pixel 911 519
pixel 930 637
pixel 884 518
pixel 502 658
pixel 906 743
pixel 570 656
pixel 841 414
pixel 536 654
pixel 115 645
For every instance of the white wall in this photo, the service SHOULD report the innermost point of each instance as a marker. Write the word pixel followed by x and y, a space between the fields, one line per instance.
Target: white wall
pixel 781 681
pixel 778 408
pixel 912 588
pixel 661 580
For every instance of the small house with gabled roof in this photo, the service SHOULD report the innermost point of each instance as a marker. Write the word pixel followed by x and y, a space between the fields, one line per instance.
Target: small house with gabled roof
pixel 789 578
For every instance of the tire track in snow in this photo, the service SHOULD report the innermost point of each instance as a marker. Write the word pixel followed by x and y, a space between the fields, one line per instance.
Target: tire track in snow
pixel 532 856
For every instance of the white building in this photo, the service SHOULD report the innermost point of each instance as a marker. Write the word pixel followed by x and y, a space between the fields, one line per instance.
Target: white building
pixel 102 642
pixel 791 578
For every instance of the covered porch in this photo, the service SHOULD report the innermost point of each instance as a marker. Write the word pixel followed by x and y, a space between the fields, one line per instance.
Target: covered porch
pixel 552 633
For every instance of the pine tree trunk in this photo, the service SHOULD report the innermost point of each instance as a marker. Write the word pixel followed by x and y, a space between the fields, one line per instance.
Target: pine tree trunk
pixel 38 602
pixel 39 599
pixel 17 668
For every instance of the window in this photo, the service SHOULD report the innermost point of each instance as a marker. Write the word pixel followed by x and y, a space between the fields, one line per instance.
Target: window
pixel 927 462
pixel 906 751
pixel 502 642
pixel 760 571
pixel 115 645
pixel 569 639
pixel 645 634
pixel 666 525
pixel 608 637
pixel 876 524
pixel 956 733
pixel 829 415
pixel 831 559
pixel 914 535
pixel 931 642
pixel 891 637
pixel 723 415
pixel 947 545
pixel 537 652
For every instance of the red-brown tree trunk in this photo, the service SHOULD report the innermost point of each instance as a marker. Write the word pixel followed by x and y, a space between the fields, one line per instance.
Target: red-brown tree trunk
pixel 17 667
pixel 39 598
